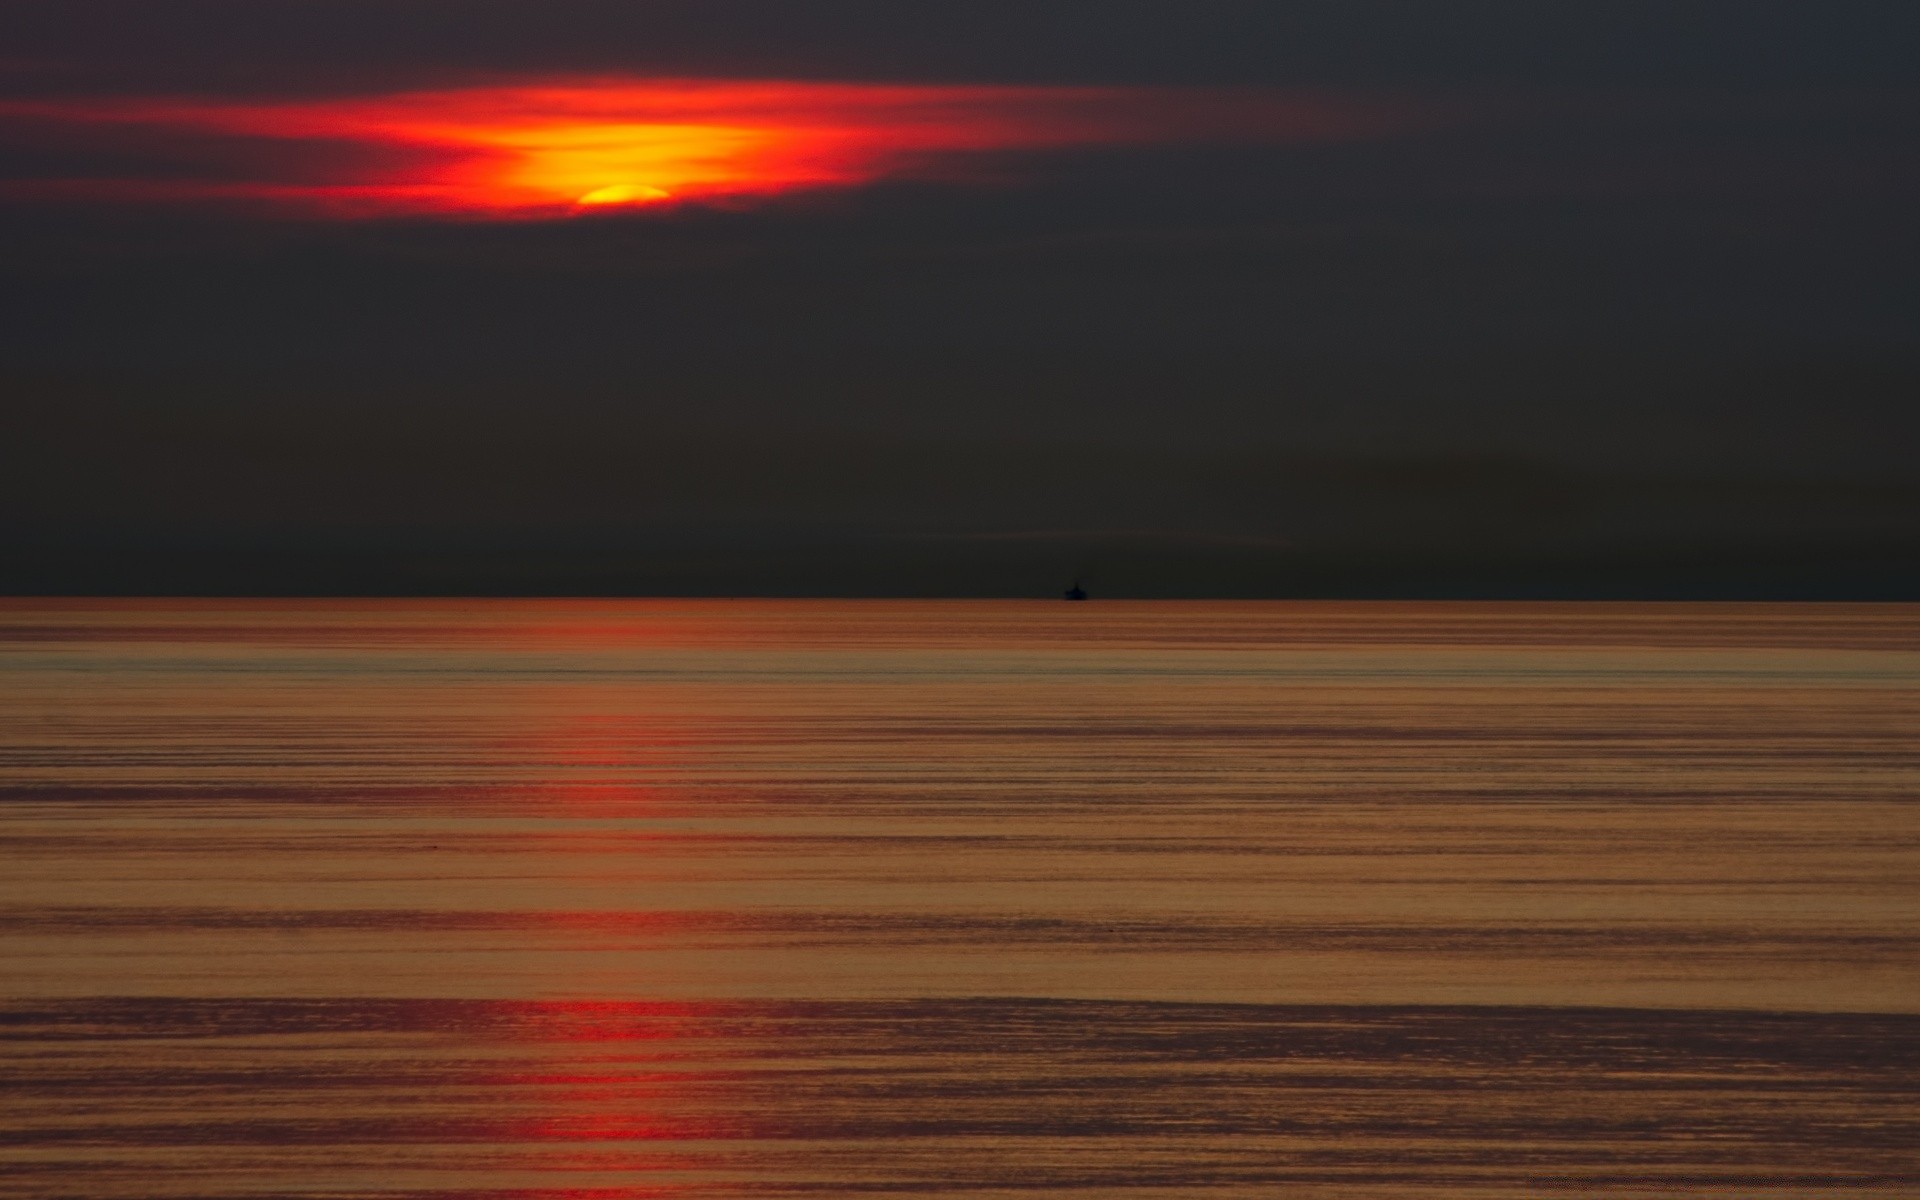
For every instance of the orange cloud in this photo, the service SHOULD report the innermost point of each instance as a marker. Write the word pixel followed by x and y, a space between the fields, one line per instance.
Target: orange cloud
pixel 555 148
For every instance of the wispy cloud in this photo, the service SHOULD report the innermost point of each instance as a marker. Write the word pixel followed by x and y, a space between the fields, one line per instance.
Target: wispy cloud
pixel 543 148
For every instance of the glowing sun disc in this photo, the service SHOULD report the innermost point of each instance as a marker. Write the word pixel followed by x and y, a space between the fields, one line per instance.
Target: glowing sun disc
pixel 623 193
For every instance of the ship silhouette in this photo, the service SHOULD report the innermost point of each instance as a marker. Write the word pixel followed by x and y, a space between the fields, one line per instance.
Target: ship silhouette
pixel 1076 592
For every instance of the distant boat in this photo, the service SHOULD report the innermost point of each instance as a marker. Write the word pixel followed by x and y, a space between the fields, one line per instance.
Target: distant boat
pixel 1076 592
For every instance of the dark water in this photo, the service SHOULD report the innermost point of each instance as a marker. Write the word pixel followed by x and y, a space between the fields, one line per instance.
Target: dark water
pixel 750 898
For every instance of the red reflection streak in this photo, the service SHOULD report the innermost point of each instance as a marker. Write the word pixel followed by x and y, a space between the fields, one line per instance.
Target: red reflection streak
pixel 552 148
pixel 595 758
pixel 601 748
pixel 630 1071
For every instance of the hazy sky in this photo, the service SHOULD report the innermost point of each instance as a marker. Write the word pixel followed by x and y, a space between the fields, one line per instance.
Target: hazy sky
pixel 1189 297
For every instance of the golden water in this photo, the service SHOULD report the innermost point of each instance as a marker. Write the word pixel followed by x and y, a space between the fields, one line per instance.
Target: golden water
pixel 718 898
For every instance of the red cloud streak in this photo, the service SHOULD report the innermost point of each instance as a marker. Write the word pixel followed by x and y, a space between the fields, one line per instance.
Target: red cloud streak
pixel 546 148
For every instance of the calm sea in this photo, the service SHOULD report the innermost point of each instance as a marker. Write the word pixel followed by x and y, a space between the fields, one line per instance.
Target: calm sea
pixel 746 898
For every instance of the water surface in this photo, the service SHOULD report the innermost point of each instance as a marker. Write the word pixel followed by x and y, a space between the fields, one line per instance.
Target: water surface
pixel 710 898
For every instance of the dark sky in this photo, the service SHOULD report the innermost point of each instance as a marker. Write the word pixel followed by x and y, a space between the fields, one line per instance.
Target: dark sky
pixel 1620 300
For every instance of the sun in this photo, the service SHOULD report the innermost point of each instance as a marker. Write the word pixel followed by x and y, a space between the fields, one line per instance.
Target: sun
pixel 623 194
